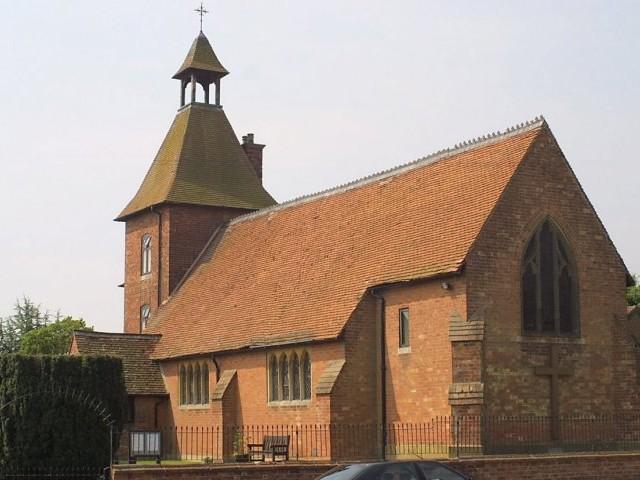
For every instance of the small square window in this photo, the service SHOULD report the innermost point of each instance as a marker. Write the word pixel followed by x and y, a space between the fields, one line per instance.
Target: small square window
pixel 404 338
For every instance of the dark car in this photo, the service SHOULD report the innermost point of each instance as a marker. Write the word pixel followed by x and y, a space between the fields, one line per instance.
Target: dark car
pixel 420 470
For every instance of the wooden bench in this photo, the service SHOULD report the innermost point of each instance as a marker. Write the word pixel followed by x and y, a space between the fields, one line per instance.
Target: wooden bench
pixel 272 446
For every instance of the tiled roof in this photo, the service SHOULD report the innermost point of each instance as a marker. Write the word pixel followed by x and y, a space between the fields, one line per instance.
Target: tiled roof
pixel 141 375
pixel 200 162
pixel 202 57
pixel 296 271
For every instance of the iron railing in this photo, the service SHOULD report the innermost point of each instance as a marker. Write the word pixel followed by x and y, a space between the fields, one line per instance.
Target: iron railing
pixel 446 436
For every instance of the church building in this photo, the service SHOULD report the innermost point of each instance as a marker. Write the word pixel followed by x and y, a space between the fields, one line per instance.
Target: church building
pixel 478 280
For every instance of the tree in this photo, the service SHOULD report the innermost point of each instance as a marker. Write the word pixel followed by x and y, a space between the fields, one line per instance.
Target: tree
pixel 633 293
pixel 52 339
pixel 38 330
pixel 27 317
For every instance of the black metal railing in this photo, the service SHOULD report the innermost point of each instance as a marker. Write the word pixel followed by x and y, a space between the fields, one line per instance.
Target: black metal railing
pixel 446 436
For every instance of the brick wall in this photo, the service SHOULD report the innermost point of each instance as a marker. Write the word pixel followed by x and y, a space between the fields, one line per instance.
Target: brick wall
pixel 185 231
pixel 418 380
pixel 566 467
pixel 601 356
pixel 578 467
pixel 250 390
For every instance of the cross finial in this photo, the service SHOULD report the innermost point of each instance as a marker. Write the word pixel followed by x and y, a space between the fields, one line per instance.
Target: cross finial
pixel 202 12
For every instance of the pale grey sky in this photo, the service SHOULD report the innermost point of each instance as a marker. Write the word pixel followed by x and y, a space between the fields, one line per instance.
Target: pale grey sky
pixel 337 90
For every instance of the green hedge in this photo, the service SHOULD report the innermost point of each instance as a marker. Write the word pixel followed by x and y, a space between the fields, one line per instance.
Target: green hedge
pixel 60 425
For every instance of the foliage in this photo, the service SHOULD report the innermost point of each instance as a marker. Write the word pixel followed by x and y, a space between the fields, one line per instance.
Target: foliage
pixel 27 316
pixel 34 331
pixel 633 293
pixel 52 339
pixel 48 428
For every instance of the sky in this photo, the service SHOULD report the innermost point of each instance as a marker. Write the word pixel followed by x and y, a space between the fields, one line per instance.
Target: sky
pixel 337 89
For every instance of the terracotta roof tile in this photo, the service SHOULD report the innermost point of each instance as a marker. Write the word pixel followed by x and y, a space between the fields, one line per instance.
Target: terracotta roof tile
pixel 141 375
pixel 297 271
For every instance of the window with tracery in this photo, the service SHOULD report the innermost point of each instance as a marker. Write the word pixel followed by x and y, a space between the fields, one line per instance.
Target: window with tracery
pixel 549 287
pixel 289 377
pixel 194 383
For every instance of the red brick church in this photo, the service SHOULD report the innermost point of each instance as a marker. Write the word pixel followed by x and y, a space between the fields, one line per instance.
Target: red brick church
pixel 476 280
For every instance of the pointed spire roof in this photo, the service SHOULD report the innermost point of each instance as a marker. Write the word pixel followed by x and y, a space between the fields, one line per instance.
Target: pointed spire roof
pixel 201 57
pixel 200 162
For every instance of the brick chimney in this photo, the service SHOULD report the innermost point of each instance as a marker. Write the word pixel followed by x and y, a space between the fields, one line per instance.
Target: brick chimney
pixel 254 152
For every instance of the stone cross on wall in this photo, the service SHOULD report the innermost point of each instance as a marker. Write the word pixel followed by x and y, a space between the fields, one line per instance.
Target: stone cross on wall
pixel 554 371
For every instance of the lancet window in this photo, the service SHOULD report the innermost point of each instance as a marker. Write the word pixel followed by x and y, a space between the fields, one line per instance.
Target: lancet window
pixel 289 376
pixel 549 286
pixel 194 383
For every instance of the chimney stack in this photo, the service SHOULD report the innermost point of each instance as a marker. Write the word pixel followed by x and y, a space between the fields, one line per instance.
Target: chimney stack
pixel 254 153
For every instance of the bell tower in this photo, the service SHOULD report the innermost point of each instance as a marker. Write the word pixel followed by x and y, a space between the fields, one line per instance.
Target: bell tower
pixel 200 67
pixel 200 178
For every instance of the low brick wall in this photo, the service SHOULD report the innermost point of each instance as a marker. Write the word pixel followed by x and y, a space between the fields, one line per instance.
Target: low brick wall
pixel 285 471
pixel 565 467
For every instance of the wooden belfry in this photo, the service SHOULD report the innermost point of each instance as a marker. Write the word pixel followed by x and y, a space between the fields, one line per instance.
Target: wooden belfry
pixel 554 371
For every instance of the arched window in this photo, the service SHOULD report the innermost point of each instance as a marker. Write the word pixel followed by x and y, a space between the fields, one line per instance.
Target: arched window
pixel 190 392
pixel 145 314
pixel 306 376
pixel 205 384
pixel 295 377
pixel 273 379
pixel 146 254
pixel 197 387
pixel 289 376
pixel 284 378
pixel 549 289
pixel 183 385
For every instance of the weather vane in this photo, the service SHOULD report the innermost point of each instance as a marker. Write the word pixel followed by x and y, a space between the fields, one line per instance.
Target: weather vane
pixel 202 12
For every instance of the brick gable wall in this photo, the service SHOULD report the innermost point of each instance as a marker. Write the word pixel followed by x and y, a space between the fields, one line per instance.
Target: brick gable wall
pixel 601 356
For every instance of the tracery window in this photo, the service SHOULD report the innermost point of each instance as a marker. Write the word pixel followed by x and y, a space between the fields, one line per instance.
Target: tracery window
pixel 145 260
pixel 549 287
pixel 289 377
pixel 194 383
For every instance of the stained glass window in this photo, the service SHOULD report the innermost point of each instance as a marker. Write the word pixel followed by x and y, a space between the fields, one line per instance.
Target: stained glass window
pixel 273 379
pixel 306 373
pixel 295 377
pixel 549 293
pixel 284 374
pixel 205 383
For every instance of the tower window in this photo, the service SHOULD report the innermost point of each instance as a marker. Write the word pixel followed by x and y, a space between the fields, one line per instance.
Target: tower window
pixel 404 339
pixel 549 287
pixel 145 314
pixel 146 254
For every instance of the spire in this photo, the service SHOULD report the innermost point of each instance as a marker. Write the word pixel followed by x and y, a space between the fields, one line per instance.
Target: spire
pixel 200 66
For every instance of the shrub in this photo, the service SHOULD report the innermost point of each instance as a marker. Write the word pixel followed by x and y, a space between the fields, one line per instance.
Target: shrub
pixel 57 409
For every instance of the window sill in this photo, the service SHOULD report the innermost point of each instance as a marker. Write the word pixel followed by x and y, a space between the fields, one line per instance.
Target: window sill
pixel 290 403
pixel 202 406
pixel 145 276
pixel 404 350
